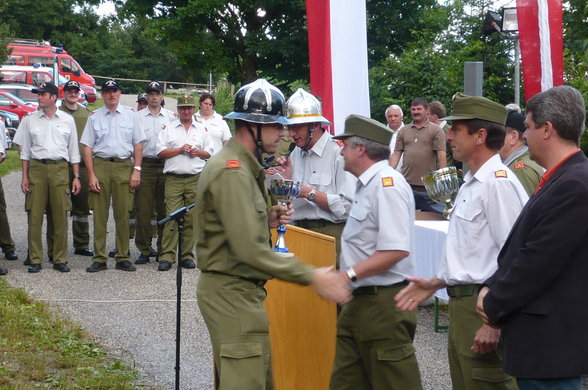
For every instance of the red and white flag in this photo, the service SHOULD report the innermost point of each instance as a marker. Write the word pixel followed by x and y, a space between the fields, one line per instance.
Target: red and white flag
pixel 541 39
pixel 337 43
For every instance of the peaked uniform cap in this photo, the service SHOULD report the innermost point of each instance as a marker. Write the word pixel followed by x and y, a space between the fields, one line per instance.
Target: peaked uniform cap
pixel 259 102
pixel 142 97
pixel 46 87
pixel 464 107
pixel 71 84
pixel 360 126
pixel 110 84
pixel 186 101
pixel 303 107
pixel 154 86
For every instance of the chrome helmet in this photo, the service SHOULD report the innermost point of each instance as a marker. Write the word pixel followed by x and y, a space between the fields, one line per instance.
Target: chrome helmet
pixel 259 102
pixel 303 107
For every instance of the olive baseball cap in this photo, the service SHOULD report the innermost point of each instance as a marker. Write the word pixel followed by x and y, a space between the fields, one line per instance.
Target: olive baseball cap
pixel 186 101
pixel 360 126
pixel 464 107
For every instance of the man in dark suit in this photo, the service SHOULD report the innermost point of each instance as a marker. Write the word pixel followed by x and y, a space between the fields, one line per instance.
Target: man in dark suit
pixel 538 294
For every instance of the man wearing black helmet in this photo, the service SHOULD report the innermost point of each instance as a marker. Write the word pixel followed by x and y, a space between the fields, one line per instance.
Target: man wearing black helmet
pixel 234 254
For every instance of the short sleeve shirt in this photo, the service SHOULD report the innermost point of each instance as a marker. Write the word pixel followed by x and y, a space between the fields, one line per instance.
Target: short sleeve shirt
pixel 217 129
pixel 174 135
pixel 152 125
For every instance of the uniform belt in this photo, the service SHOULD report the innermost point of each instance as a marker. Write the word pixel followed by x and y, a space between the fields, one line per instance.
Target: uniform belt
pixel 314 223
pixel 373 290
pixel 463 290
pixel 154 160
pixel 46 161
pixel 113 159
pixel 181 175
pixel 257 282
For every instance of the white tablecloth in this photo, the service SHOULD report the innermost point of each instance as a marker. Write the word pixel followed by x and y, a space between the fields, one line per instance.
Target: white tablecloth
pixel 429 245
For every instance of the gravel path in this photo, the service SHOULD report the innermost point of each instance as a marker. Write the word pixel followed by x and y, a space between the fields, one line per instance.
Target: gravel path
pixel 133 313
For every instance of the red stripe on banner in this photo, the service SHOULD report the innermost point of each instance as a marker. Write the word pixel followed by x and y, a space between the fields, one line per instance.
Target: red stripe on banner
pixel 527 16
pixel 319 49
pixel 556 33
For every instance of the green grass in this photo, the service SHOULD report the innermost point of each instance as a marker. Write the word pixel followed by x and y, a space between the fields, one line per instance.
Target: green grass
pixel 41 350
pixel 12 162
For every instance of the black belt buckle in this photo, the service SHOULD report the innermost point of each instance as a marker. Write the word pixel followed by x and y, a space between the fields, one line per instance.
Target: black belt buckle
pixel 373 290
pixel 257 282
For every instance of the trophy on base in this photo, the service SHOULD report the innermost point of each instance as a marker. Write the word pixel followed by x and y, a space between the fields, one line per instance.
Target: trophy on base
pixel 442 186
pixel 283 190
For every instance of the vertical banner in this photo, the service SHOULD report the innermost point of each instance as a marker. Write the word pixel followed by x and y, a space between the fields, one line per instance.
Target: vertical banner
pixel 337 43
pixel 541 39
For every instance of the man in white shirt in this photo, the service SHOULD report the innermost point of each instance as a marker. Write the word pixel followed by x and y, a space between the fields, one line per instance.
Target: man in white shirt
pixel 151 194
pixel 374 338
pixel 486 207
pixel 326 190
pixel 214 124
pixel 48 141
pixel 185 146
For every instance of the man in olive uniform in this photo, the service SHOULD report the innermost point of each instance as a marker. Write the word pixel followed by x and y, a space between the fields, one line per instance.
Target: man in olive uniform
pixel 150 195
pixel 515 153
pixel 79 203
pixel 5 239
pixel 326 190
pixel 233 243
pixel 111 136
pixel 374 338
pixel 48 141
pixel 185 145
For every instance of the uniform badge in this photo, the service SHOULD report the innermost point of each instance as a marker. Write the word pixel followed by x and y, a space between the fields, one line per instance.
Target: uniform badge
pixel 231 164
pixel 387 182
pixel 501 173
pixel 341 143
pixel 519 165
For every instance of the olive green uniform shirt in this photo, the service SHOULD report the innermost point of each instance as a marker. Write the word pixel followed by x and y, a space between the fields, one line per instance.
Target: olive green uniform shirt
pixel 231 215
pixel 527 171
pixel 80 116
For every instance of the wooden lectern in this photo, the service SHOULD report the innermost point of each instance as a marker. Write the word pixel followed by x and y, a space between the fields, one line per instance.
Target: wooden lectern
pixel 303 326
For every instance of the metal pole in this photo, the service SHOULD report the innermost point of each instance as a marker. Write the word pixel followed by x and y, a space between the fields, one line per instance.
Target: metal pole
pixel 517 73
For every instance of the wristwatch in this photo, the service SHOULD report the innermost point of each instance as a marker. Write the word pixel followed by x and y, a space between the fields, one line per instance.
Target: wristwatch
pixel 312 195
pixel 137 168
pixel 76 176
pixel 351 274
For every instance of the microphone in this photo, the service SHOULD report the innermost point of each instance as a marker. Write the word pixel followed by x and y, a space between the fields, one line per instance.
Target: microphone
pixel 176 214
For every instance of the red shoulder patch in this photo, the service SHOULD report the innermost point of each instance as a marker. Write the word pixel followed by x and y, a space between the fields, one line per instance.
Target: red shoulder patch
pixel 519 165
pixel 232 164
pixel 340 142
pixel 501 173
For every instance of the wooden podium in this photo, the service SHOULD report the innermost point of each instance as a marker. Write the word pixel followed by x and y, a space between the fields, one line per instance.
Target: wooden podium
pixel 302 325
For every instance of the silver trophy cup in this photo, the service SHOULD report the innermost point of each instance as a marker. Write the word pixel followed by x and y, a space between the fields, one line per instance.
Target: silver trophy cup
pixel 442 186
pixel 283 190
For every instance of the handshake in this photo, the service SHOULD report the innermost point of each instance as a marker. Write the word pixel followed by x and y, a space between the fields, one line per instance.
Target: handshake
pixel 332 285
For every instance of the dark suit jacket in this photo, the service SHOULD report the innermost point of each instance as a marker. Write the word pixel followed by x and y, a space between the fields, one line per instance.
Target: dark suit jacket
pixel 540 291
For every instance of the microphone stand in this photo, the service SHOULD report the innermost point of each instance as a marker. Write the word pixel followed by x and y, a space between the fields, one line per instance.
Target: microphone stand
pixel 178 216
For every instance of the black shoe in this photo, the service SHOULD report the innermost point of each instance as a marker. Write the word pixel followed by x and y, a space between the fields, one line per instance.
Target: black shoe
pixel 125 265
pixel 10 256
pixel 188 264
pixel 27 260
pixel 84 252
pixel 142 259
pixel 61 267
pixel 51 259
pixel 152 252
pixel 34 268
pixel 164 265
pixel 3 271
pixel 96 266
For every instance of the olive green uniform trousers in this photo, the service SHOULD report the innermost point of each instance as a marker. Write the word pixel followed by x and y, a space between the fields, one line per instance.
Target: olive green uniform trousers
pixel 6 242
pixel 470 370
pixel 114 177
pixel 180 191
pixel 233 310
pixel 374 345
pixel 48 188
pixel 149 196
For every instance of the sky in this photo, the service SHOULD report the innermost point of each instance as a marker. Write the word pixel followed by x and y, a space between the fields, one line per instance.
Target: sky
pixel 105 8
